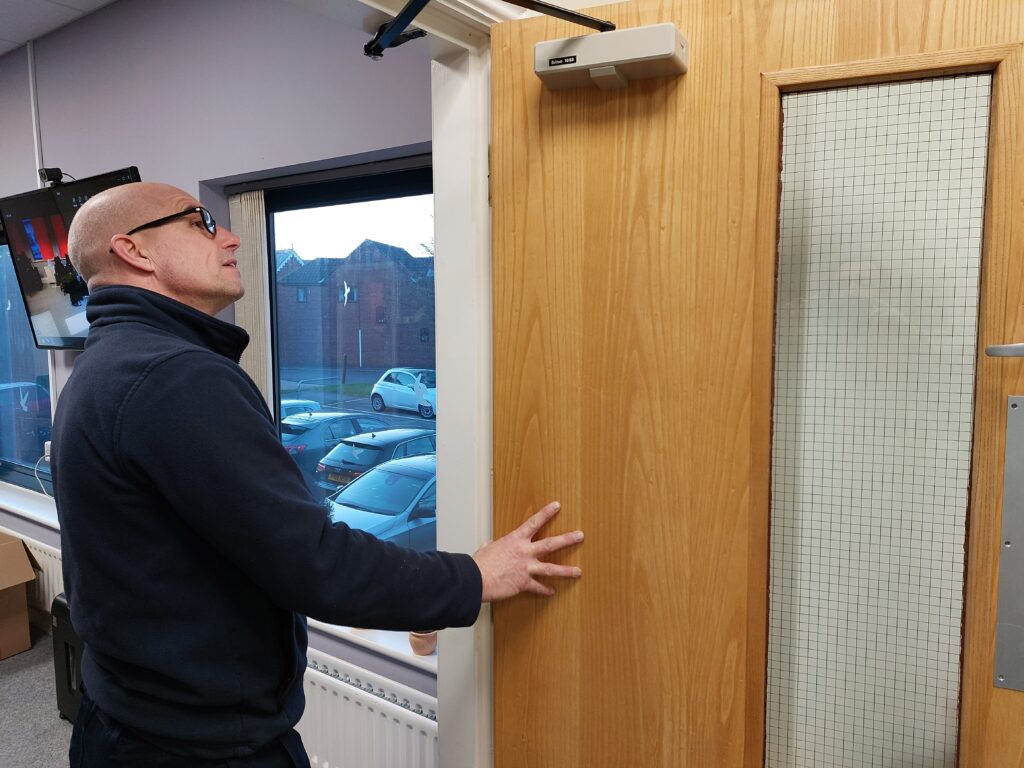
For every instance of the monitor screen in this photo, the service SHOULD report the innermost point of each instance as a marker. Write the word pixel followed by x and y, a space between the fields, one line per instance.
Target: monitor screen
pixel 36 225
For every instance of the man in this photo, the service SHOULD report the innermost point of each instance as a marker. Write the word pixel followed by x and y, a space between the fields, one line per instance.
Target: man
pixel 192 550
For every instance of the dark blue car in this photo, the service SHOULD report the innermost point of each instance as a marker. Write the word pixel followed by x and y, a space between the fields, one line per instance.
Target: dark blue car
pixel 357 454
pixel 309 436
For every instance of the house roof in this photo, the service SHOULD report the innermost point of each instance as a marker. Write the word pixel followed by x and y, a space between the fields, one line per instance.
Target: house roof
pixel 284 255
pixel 367 253
pixel 315 272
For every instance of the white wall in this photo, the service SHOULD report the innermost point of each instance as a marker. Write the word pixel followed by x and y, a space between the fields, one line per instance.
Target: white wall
pixel 191 90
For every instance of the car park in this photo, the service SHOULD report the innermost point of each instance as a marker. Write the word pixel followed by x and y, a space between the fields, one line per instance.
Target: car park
pixel 395 501
pixel 357 454
pixel 409 389
pixel 308 436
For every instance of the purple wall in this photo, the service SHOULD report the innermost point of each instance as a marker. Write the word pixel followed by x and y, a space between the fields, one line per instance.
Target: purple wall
pixel 17 151
pixel 191 90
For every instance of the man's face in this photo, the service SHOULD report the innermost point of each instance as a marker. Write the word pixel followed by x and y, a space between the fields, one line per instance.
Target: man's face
pixel 190 264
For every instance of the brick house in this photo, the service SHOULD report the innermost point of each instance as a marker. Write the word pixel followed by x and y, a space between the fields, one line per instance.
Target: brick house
pixel 378 295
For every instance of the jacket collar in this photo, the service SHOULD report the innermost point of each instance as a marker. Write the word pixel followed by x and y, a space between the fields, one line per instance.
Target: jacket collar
pixel 126 304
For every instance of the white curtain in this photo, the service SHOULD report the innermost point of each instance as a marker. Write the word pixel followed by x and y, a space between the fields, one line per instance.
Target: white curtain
pixel 249 222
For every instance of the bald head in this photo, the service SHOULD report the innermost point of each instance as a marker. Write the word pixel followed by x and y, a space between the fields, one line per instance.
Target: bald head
pixel 180 252
pixel 114 212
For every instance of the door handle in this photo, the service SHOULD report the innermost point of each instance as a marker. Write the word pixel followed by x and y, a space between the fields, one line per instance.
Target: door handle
pixel 1005 350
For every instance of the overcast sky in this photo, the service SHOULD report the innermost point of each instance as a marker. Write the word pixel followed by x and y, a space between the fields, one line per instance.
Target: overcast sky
pixel 334 231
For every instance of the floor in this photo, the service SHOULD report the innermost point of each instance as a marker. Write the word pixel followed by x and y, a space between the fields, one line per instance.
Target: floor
pixel 32 735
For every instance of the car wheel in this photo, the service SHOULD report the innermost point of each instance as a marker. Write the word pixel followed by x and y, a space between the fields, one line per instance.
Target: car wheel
pixel 376 402
pixel 426 412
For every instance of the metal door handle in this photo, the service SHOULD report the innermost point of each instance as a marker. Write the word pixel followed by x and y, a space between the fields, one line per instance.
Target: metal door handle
pixel 1005 350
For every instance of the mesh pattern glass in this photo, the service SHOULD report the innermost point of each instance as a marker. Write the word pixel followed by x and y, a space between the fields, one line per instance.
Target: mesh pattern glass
pixel 879 254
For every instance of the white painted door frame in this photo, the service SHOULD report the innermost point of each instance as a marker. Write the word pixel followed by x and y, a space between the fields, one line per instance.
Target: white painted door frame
pixel 460 134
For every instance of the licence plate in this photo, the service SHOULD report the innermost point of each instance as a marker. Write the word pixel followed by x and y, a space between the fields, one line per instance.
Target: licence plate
pixel 334 477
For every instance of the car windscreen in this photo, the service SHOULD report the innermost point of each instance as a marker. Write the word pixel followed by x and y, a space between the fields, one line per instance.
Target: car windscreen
pixel 355 454
pixel 381 491
pixel 429 378
pixel 294 429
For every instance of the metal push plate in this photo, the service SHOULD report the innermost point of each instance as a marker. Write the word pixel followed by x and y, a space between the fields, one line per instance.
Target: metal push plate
pixel 1009 670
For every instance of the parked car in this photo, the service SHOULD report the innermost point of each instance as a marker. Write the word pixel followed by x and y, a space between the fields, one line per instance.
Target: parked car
pixel 395 501
pixel 290 407
pixel 25 420
pixel 308 436
pixel 355 455
pixel 411 389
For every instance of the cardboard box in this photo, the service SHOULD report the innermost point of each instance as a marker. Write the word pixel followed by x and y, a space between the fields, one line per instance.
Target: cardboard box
pixel 15 572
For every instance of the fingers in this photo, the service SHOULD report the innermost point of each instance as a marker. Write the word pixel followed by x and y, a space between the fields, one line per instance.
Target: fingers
pixel 554 571
pixel 539 519
pixel 554 543
pixel 539 589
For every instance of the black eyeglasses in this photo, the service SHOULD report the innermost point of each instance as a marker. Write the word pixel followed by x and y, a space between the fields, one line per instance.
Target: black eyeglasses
pixel 208 223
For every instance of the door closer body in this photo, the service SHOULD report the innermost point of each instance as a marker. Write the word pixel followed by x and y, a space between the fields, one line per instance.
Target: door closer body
pixel 610 60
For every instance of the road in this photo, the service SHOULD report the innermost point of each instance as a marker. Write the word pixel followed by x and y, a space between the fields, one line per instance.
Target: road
pixel 307 383
pixel 393 417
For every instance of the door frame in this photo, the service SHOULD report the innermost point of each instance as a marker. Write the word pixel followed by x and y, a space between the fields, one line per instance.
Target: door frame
pixel 984 513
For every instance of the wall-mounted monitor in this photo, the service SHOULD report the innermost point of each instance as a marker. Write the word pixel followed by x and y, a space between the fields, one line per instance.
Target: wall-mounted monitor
pixel 36 225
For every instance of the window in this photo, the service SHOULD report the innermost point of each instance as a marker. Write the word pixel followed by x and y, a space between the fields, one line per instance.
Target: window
pixel 415 447
pixel 368 236
pixel 25 410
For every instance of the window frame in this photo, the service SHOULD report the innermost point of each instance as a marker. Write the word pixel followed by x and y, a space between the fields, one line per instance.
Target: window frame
pixel 403 177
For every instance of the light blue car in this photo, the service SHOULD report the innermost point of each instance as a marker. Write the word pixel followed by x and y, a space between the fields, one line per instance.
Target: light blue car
pixel 395 501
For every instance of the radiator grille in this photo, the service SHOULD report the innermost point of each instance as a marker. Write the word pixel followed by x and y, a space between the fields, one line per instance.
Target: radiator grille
pixel 354 717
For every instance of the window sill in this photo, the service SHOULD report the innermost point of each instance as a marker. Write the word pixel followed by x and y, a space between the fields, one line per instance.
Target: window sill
pixel 394 645
pixel 31 505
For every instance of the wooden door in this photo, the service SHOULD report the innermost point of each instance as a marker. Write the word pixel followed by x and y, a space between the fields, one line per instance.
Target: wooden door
pixel 634 277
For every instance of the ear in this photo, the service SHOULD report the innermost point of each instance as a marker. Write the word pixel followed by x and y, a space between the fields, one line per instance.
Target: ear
pixel 128 253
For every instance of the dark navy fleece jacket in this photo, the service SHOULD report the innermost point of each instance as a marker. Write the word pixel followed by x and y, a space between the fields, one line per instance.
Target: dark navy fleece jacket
pixel 192 550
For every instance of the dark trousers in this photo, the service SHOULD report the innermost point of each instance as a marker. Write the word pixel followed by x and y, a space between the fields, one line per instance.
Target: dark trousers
pixel 99 741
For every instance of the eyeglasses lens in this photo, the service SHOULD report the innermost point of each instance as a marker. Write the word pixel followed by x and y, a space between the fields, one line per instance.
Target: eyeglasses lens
pixel 208 222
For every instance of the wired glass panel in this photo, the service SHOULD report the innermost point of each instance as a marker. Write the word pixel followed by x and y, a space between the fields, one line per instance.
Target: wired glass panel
pixel 879 252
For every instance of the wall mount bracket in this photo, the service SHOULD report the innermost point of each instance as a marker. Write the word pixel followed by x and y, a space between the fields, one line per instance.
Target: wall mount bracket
pixel 393 33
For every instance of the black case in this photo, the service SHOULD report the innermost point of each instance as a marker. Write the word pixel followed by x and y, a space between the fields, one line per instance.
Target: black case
pixel 67 659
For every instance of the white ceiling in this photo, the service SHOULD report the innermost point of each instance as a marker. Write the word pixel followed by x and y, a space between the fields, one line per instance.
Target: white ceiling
pixel 24 20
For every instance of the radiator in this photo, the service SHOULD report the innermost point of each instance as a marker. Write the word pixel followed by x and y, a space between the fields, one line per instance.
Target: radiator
pixel 357 718
pixel 49 580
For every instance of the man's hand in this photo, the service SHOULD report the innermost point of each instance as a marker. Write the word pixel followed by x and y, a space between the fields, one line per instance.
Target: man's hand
pixel 511 564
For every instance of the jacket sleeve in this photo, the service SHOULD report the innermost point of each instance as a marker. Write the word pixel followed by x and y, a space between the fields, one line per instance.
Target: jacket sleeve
pixel 218 462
